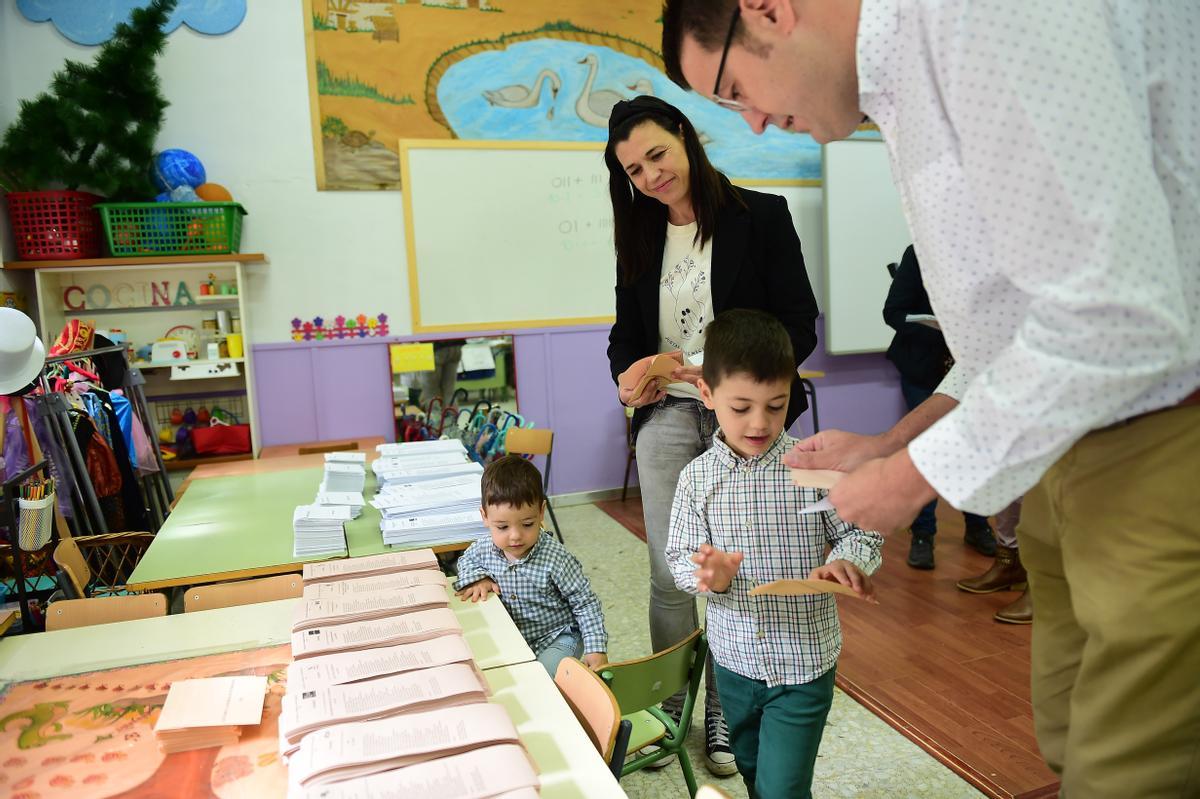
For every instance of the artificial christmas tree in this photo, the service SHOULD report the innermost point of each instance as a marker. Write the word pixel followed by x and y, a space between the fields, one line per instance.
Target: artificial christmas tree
pixel 95 129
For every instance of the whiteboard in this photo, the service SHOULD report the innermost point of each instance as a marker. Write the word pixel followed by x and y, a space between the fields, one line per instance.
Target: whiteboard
pixel 507 234
pixel 865 230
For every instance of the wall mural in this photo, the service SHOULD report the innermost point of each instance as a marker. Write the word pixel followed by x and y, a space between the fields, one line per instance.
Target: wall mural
pixel 91 22
pixel 525 70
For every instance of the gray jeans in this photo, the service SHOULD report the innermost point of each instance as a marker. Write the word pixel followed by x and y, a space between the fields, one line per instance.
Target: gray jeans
pixel 676 433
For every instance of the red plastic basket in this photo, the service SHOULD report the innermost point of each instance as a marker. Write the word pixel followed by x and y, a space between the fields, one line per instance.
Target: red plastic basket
pixel 55 225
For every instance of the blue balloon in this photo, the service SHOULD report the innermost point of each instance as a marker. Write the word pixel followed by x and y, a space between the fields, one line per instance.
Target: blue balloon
pixel 174 168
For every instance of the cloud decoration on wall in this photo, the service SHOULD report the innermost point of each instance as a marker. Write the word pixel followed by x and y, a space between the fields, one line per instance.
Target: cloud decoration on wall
pixel 91 22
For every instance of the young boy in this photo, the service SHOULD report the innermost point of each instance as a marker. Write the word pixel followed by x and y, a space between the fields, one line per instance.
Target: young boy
pixel 736 516
pixel 537 579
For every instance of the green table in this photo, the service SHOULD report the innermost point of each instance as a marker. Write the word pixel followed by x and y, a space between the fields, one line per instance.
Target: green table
pixel 231 528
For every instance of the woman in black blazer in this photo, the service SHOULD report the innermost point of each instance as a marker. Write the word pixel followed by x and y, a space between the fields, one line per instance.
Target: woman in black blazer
pixel 689 245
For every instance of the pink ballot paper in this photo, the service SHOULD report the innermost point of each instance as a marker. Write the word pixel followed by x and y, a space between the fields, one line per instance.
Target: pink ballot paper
pixel 491 772
pixel 346 568
pixel 358 749
pixel 349 667
pixel 659 371
pixel 380 583
pixel 824 479
pixel 420 625
pixel 336 610
pixel 801 588
pixel 303 712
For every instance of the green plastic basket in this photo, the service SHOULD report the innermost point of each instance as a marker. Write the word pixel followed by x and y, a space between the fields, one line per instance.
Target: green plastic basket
pixel 141 229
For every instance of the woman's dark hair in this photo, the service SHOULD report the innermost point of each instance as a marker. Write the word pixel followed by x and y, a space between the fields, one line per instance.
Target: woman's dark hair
pixel 640 221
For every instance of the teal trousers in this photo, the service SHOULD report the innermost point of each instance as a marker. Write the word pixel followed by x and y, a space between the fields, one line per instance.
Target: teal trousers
pixel 788 720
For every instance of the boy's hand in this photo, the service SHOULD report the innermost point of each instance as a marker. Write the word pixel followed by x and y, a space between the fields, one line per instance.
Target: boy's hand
pixel 595 660
pixel 717 568
pixel 478 591
pixel 849 575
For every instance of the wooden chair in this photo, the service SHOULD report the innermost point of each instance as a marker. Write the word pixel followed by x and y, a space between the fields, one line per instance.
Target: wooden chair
pixel 526 441
pixel 68 613
pixel 807 386
pixel 336 446
pixel 632 457
pixel 100 565
pixel 596 709
pixel 243 592
pixel 641 685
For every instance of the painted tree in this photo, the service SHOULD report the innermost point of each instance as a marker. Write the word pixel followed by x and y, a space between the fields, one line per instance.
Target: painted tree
pixel 96 127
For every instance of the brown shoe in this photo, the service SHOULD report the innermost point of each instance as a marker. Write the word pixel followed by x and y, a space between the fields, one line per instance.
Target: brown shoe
pixel 1019 612
pixel 1005 574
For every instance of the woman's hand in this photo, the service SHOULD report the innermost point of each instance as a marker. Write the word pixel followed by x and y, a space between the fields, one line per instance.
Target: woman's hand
pixel 688 374
pixel 628 380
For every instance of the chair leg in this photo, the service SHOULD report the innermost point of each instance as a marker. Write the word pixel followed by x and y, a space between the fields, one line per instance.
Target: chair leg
pixel 553 518
pixel 811 391
pixel 688 776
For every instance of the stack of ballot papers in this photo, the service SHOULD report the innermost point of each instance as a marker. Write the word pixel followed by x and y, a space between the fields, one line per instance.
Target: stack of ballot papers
pixel 346 457
pixel 362 748
pixel 368 605
pixel 454 495
pixel 370 566
pixel 418 625
pixel 319 529
pixel 209 712
pixel 342 668
pixel 375 584
pixel 349 499
pixel 430 529
pixel 344 477
pixel 502 770
pixel 415 448
pixel 304 712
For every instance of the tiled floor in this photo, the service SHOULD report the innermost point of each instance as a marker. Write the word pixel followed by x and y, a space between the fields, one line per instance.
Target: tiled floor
pixel 861 756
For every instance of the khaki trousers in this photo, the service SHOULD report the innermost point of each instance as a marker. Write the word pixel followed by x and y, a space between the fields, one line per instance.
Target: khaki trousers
pixel 1111 540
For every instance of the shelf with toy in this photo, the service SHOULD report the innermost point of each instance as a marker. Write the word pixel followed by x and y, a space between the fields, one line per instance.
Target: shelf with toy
pixel 152 365
pixel 161 260
pixel 202 304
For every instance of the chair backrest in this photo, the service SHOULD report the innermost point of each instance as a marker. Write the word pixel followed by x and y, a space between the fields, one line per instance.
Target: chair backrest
pixel 68 613
pixel 592 703
pixel 71 561
pixel 337 446
pixel 523 441
pixel 642 683
pixel 243 592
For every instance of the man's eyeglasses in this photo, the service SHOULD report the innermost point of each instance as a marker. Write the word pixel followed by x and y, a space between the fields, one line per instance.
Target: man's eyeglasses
pixel 732 105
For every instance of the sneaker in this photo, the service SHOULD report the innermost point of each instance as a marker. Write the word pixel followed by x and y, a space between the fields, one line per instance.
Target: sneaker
pixel 718 757
pixel 674 712
pixel 981 539
pixel 920 551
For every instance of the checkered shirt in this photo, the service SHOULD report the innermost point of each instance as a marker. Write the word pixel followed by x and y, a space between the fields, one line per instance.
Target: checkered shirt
pixel 749 505
pixel 546 592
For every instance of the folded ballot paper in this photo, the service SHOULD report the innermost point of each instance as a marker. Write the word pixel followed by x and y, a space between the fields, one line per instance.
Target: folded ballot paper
pixel 346 457
pixel 419 625
pixel 209 712
pixel 359 749
pixel 349 499
pixel 319 529
pixel 392 472
pixel 369 566
pixel 376 584
pixel 801 588
pixel 433 528
pixel 344 477
pixel 311 613
pixel 421 499
pixel 305 712
pixel 342 668
pixel 411 448
pixel 490 772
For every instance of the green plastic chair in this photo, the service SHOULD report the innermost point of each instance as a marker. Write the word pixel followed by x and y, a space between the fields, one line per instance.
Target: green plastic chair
pixel 640 686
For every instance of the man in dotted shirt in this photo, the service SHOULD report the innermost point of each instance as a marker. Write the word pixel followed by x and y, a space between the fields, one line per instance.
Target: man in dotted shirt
pixel 1048 161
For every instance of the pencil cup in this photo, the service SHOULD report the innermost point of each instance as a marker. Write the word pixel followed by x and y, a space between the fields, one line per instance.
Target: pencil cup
pixel 36 522
pixel 234 342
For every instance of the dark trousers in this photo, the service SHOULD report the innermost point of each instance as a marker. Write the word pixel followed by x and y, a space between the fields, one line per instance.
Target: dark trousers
pixel 789 721
pixel 926 521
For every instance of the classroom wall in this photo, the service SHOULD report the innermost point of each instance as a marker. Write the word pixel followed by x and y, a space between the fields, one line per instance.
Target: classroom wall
pixel 240 102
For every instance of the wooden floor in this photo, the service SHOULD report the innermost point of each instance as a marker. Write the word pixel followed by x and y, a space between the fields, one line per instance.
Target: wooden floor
pixel 930 661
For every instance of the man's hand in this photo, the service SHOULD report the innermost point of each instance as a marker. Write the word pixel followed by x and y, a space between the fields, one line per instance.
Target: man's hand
pixel 478 591
pixel 837 450
pixel 849 575
pixel 595 660
pixel 883 494
pixel 717 568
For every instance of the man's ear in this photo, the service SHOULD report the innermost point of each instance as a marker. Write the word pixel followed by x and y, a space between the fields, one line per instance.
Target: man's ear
pixel 776 17
pixel 706 395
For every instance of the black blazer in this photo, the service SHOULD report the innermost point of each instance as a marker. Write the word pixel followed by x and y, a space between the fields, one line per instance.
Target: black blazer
pixel 918 351
pixel 756 263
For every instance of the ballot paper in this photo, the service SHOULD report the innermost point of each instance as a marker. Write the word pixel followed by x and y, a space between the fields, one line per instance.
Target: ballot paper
pixel 823 479
pixel 311 613
pixel 379 583
pixel 209 712
pixel 820 506
pixel 407 448
pixel 659 371
pixel 347 667
pixel 802 588
pixel 423 499
pixel 490 772
pixel 347 751
pixel 929 320
pixel 371 565
pixel 343 477
pixel 346 457
pixel 420 625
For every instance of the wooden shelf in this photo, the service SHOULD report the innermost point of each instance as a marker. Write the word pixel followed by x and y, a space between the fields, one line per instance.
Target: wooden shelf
pixel 154 260
pixel 229 299
pixel 179 464
pixel 149 365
